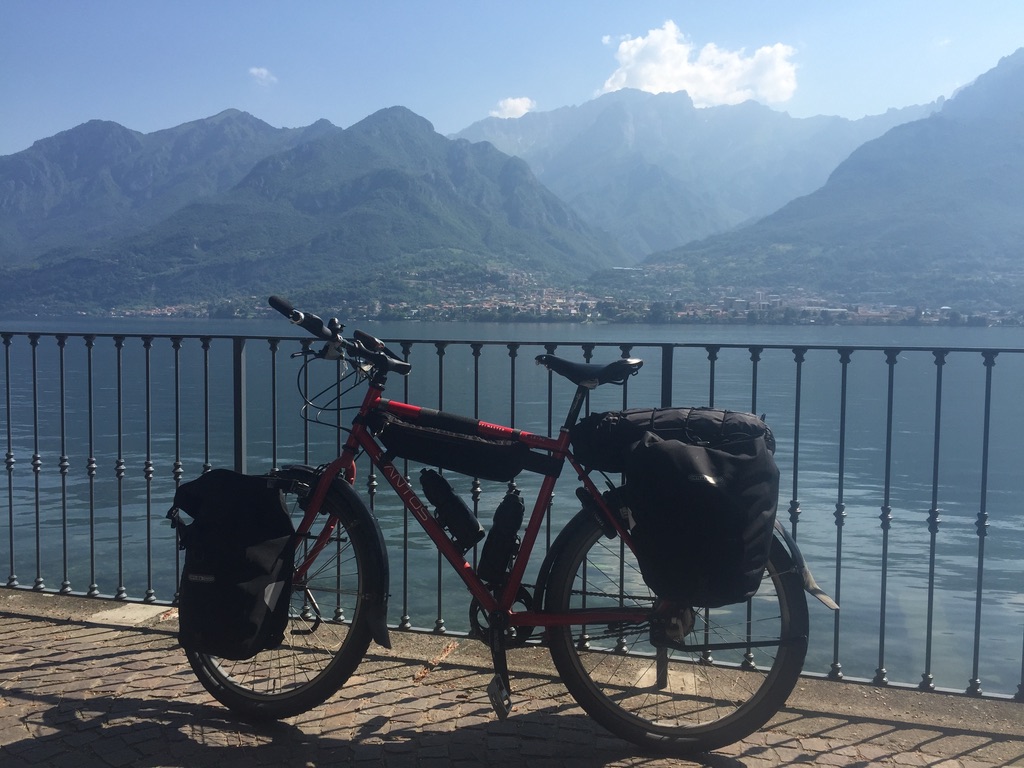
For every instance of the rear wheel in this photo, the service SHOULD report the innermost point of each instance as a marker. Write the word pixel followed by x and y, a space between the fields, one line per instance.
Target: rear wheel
pixel 709 678
pixel 327 634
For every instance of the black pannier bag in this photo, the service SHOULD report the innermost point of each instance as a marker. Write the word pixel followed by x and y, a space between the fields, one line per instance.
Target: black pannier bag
pixel 482 457
pixel 602 440
pixel 702 517
pixel 239 558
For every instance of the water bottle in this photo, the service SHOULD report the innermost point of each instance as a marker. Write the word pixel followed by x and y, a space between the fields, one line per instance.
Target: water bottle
pixel 501 544
pixel 451 511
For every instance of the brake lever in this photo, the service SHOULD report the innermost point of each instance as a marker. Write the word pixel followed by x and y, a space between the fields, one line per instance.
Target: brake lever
pixel 332 350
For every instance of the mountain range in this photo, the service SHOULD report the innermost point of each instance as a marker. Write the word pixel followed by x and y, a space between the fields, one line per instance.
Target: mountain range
pixel 920 205
pixel 657 172
pixel 929 214
pixel 102 181
pixel 384 211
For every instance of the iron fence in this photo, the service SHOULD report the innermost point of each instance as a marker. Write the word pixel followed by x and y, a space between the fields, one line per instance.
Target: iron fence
pixel 899 464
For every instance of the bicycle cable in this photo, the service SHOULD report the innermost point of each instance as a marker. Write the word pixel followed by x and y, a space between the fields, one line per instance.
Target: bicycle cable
pixel 333 405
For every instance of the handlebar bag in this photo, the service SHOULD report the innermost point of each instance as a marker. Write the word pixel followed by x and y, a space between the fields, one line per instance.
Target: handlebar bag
pixel 702 517
pixel 239 558
pixel 603 440
pixel 481 457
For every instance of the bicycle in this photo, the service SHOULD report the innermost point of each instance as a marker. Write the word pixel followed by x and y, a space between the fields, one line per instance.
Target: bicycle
pixel 670 677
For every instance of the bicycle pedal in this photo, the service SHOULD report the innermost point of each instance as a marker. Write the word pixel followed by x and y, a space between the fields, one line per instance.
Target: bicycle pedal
pixel 501 699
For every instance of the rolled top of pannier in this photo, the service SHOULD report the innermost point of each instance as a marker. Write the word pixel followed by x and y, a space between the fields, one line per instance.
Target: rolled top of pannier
pixel 602 440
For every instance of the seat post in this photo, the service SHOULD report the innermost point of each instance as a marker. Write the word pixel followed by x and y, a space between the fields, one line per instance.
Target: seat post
pixel 576 406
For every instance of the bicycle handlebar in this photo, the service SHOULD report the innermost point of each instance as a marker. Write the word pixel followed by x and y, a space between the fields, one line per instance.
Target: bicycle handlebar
pixel 363 347
pixel 309 322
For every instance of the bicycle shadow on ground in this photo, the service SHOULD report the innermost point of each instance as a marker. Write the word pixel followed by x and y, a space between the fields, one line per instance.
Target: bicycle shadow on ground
pixel 150 733
pixel 169 726
pixel 81 692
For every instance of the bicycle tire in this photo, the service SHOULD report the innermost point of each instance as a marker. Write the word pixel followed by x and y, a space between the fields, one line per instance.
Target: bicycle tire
pixel 319 652
pixel 702 702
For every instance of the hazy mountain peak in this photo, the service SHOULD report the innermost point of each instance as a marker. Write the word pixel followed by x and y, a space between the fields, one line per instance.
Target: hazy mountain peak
pixel 85 148
pixel 394 119
pixel 927 214
pixel 996 95
pixel 657 172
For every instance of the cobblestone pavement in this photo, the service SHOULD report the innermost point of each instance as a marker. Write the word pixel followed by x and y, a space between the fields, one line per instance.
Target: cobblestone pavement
pixel 93 683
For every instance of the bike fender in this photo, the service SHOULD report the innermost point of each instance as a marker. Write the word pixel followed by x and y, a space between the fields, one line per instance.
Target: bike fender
pixel 583 517
pixel 810 585
pixel 375 605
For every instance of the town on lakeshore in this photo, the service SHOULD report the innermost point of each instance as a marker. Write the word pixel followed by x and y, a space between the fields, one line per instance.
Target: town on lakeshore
pixel 556 306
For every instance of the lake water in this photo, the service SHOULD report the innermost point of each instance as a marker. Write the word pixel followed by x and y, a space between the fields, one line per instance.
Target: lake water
pixel 850 461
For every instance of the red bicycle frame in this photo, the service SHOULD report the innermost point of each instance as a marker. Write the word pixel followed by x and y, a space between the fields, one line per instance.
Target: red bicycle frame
pixel 361 438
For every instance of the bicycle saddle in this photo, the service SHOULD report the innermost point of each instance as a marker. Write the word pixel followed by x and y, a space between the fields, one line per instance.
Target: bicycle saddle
pixel 591 375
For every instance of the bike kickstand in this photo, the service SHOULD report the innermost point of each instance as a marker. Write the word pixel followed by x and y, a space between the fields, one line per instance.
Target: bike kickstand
pixel 498 689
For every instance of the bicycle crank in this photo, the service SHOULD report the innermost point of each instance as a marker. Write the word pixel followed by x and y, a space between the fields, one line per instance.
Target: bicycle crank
pixel 515 637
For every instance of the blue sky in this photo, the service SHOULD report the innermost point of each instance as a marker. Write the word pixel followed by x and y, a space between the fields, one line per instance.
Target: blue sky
pixel 152 64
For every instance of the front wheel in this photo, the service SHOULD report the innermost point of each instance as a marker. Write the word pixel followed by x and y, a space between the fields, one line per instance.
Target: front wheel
pixel 327 632
pixel 710 678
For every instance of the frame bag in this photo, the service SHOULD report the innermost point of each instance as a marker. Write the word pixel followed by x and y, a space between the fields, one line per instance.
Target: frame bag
pixel 466 454
pixel 239 556
pixel 702 517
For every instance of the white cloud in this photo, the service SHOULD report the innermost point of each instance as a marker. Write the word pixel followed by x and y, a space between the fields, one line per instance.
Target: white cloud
pixel 262 76
pixel 665 60
pixel 514 107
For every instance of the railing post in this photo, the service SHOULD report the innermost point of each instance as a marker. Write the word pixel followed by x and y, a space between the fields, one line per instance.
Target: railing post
pixel 927 679
pixel 794 503
pixel 120 467
pixel 148 468
pixel 205 342
pixel 37 461
pixel 974 685
pixel 712 351
pixel 238 366
pixel 405 622
pixel 274 345
pixel 91 466
pixel 513 354
pixel 755 358
pixel 845 353
pixel 667 353
pixel 891 358
pixel 9 462
pixel 65 464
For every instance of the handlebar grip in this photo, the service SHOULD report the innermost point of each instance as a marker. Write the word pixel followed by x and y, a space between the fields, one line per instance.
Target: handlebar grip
pixel 372 343
pixel 282 305
pixel 309 322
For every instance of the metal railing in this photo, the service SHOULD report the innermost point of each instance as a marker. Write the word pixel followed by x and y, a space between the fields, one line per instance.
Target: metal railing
pixel 901 467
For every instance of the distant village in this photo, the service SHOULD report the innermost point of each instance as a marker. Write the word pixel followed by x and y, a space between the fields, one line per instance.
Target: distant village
pixel 549 305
